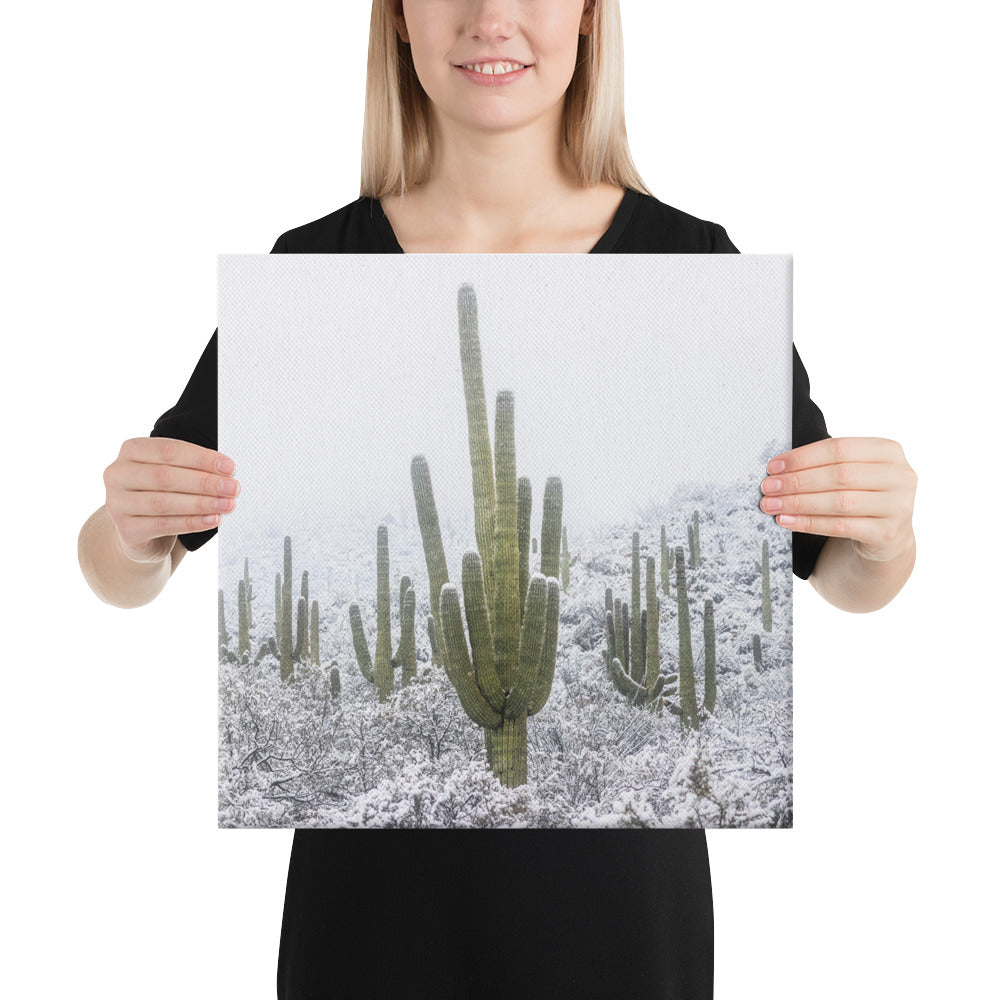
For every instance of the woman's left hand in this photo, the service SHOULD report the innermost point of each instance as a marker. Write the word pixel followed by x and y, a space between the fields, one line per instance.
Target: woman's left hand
pixel 860 488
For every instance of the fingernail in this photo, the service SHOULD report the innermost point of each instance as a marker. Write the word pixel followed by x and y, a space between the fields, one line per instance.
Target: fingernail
pixel 786 519
pixel 771 503
pixel 775 465
pixel 225 466
pixel 227 487
pixel 771 485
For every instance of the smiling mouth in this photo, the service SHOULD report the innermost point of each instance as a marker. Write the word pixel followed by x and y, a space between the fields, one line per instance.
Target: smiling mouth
pixel 493 68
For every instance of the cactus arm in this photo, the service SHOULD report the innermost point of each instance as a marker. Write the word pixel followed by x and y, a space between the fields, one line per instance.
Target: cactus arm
pixel 532 640
pixel 301 650
pixel 523 535
pixel 624 683
pixel 506 604
pixel 361 644
pixel 625 640
pixel 430 533
pixel 408 635
pixel 480 452
pixel 552 507
pixel 480 631
pixel 652 626
pixel 458 665
pixel 547 670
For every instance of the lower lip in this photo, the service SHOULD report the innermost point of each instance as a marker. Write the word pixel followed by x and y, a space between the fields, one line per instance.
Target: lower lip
pixel 485 80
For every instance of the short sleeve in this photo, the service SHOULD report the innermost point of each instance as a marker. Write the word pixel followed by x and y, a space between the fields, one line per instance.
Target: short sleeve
pixel 195 415
pixel 808 425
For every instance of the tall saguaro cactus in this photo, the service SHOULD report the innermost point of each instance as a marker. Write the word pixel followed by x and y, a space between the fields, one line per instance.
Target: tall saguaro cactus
pixel 285 637
pixel 635 639
pixel 686 705
pixel 480 454
pixel 685 660
pixel 503 671
pixel 380 674
pixel 249 588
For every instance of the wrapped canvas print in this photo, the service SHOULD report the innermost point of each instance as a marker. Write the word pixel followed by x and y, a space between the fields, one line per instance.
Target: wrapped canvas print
pixel 497 559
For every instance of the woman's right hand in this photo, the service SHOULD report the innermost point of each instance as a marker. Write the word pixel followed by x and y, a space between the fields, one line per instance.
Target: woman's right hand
pixel 159 488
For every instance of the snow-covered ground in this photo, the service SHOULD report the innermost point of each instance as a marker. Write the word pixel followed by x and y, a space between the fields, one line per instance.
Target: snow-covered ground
pixel 290 755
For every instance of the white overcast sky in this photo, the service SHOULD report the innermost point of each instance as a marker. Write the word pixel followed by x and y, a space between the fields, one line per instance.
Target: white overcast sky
pixel 631 373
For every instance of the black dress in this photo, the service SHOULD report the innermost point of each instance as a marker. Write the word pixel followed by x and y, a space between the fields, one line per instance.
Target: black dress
pixel 404 914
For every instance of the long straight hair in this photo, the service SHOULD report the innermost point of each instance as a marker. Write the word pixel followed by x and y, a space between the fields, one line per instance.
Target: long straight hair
pixel 396 137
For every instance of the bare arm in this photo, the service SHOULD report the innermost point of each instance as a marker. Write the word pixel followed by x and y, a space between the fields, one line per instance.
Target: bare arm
pixel 111 574
pixel 852 583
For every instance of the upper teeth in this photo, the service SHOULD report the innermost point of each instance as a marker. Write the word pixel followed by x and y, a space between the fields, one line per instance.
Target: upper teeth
pixel 493 69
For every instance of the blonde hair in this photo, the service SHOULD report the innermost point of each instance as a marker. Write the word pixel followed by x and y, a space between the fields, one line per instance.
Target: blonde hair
pixel 396 137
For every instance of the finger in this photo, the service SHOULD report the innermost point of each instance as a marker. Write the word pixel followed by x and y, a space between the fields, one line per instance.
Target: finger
pixel 872 476
pixel 172 451
pixel 158 503
pixel 831 451
pixel 866 530
pixel 839 503
pixel 135 531
pixel 142 477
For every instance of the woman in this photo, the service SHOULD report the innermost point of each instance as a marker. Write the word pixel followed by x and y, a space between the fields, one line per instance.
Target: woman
pixel 531 157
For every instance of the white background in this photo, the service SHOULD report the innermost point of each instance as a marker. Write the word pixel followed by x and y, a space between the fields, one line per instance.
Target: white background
pixel 145 139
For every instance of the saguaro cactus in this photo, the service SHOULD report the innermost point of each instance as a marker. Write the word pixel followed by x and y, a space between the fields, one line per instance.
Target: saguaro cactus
pixel 636 634
pixel 512 618
pixel 710 677
pixel 565 562
pixel 381 672
pixel 643 684
pixel 223 631
pixel 406 651
pixel 244 637
pixel 685 660
pixel 249 589
pixel 285 636
pixel 686 704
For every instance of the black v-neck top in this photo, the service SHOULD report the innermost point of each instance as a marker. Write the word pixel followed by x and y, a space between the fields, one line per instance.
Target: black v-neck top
pixel 585 914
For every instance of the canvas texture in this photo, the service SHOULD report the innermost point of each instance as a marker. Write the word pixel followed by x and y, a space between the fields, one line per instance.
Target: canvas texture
pixel 497 558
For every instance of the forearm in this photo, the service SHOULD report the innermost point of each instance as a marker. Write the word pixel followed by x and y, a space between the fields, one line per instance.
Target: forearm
pixel 112 576
pixel 852 583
